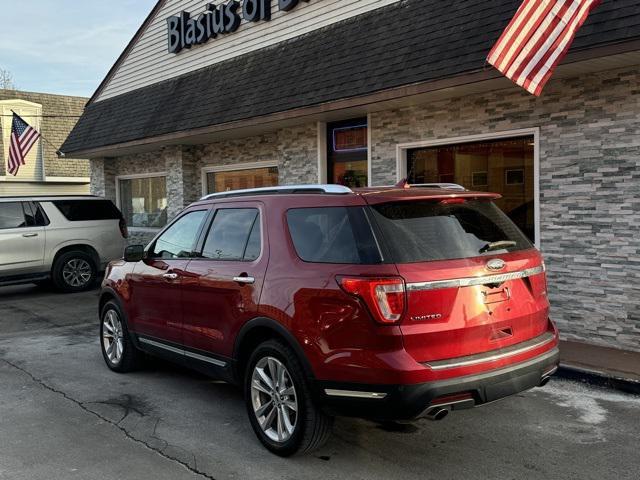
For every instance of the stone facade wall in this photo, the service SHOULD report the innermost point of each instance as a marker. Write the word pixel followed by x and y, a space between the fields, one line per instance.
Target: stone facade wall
pixel 55 130
pixel 589 183
pixel 295 149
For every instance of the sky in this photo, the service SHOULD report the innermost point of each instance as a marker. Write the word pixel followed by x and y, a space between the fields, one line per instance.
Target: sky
pixel 66 46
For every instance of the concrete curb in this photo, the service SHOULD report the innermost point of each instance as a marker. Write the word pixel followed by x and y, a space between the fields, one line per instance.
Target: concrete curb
pixel 602 379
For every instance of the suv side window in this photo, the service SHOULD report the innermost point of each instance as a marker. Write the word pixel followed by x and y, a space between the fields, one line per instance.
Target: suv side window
pixel 234 235
pixel 34 215
pixel 179 239
pixel 333 235
pixel 12 215
pixel 84 210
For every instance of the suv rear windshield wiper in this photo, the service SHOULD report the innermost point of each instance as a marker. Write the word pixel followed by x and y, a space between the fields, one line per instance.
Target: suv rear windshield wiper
pixel 497 246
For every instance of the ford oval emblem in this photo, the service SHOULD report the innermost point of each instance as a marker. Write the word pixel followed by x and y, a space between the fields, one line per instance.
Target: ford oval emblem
pixel 496 265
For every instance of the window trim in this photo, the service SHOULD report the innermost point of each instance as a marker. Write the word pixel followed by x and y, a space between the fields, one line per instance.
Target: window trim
pixel 207 217
pixel 403 148
pixel 232 167
pixel 24 217
pixel 506 175
pixel 375 231
pixel 39 206
pixel 134 177
pixel 323 148
pixel 474 184
pixel 204 234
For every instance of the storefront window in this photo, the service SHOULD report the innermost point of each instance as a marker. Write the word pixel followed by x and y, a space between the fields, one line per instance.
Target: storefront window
pixel 503 166
pixel 347 153
pixel 241 179
pixel 143 201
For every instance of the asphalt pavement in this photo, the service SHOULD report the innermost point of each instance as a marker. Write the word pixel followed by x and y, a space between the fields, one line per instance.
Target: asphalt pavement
pixel 64 415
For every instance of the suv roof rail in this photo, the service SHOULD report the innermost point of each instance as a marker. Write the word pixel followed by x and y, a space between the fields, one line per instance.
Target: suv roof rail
pixel 281 190
pixel 55 195
pixel 444 186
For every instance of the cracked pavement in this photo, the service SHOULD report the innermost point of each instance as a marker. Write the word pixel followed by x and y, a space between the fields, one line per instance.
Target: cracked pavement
pixel 64 415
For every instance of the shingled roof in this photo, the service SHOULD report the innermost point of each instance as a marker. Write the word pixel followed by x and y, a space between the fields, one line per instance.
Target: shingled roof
pixel 408 42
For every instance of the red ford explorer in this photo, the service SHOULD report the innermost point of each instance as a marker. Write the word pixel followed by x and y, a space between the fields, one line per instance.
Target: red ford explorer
pixel 385 303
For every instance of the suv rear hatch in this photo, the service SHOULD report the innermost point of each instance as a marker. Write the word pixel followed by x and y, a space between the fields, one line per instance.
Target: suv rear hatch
pixel 474 282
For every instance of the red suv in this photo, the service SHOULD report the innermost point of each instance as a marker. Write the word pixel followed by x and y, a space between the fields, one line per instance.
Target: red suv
pixel 384 303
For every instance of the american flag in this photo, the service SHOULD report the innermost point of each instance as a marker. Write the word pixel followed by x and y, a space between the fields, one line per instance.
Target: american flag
pixel 23 138
pixel 537 39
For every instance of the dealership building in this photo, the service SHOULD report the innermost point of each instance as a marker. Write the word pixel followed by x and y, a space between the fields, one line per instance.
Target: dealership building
pixel 212 96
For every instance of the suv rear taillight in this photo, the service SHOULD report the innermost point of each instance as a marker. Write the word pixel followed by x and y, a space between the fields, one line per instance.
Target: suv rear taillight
pixel 385 297
pixel 124 231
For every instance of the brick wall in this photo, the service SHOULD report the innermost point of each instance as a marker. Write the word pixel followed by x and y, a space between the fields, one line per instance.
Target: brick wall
pixel 589 182
pixel 55 130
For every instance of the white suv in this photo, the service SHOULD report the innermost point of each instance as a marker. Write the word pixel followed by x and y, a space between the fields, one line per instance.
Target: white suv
pixel 66 240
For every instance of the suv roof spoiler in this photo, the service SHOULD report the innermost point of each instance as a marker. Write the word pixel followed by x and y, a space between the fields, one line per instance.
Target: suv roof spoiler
pixel 282 190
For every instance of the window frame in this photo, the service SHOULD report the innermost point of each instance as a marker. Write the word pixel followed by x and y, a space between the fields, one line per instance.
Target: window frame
pixel 325 163
pixel 199 235
pixel 136 176
pixel 24 217
pixel 402 150
pixel 376 234
pixel 473 182
pixel 233 167
pixel 209 225
pixel 38 206
pixel 506 176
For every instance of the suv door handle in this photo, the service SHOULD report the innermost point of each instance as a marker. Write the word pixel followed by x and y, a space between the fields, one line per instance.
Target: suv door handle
pixel 29 235
pixel 170 276
pixel 245 280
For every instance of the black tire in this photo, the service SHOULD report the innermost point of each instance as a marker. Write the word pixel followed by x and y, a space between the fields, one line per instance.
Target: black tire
pixel 130 358
pixel 312 426
pixel 67 260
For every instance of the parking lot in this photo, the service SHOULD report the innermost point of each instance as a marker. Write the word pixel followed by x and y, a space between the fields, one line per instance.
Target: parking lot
pixel 64 415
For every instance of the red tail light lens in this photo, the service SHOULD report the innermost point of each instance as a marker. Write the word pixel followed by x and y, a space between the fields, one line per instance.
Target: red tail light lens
pixel 453 201
pixel 539 283
pixel 385 297
pixel 124 231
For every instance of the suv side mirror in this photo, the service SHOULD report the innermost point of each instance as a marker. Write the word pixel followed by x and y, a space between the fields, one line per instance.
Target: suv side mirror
pixel 134 253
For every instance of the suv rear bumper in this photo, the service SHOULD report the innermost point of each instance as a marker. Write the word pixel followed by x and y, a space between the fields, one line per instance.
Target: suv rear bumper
pixel 407 402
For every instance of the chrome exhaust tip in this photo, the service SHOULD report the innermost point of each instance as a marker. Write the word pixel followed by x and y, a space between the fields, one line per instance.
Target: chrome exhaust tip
pixel 546 376
pixel 436 414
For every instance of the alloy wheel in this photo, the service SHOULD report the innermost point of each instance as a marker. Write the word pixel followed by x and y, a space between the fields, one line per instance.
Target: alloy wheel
pixel 112 336
pixel 274 399
pixel 77 272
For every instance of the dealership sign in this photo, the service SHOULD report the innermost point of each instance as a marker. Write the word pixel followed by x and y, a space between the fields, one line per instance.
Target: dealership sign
pixel 185 31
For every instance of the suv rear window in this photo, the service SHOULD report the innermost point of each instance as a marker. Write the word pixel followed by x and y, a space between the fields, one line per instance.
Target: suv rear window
pixel 84 210
pixel 431 230
pixel 333 235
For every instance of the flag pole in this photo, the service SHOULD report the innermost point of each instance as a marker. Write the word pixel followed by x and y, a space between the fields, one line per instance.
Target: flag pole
pixel 59 153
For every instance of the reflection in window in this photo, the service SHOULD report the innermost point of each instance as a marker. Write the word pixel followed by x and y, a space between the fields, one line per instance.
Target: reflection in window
pixel 242 179
pixel 504 166
pixel 347 153
pixel 179 240
pixel 12 215
pixel 230 236
pixel 333 235
pixel 143 201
